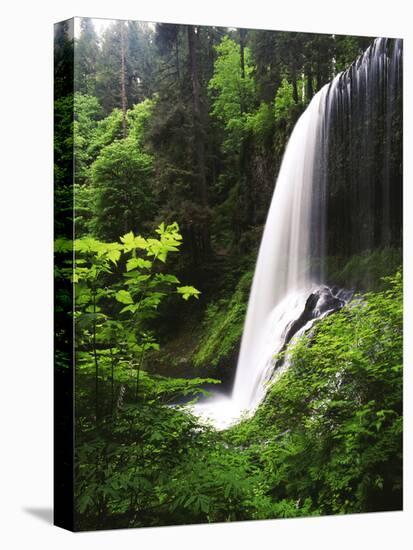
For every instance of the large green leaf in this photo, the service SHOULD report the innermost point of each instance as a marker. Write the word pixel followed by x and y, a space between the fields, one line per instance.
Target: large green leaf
pixel 124 297
pixel 140 263
pixel 188 291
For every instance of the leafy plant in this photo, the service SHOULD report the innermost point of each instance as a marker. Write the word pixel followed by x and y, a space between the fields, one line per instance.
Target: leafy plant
pixel 223 325
pixel 330 431
pixel 232 92
pixel 284 101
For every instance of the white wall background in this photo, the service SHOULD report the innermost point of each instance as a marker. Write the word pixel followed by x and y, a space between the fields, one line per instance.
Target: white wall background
pixel 26 37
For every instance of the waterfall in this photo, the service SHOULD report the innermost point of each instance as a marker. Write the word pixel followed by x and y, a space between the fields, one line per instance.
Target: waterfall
pixel 284 275
pixel 363 154
pixel 288 292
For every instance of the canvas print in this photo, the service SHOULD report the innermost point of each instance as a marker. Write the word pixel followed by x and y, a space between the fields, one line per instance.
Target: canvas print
pixel 228 288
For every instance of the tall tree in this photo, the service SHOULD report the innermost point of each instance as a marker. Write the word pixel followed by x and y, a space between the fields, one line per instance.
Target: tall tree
pixel 232 90
pixel 141 62
pixel 63 59
pixel 198 122
pixel 121 177
pixel 122 77
pixel 170 48
pixel 87 53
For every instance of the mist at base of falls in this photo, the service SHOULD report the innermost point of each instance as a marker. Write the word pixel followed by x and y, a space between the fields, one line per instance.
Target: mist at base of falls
pixel 288 292
pixel 290 318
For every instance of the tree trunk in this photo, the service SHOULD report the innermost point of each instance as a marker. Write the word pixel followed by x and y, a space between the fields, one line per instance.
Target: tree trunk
pixel 319 78
pixel 310 89
pixel 122 77
pixel 295 87
pixel 196 102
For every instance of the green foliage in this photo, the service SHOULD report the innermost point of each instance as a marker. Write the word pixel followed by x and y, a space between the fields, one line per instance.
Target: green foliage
pixel 140 64
pixel 125 472
pixel 137 119
pixel 117 289
pixel 87 112
pixel 63 140
pixel 121 176
pixel 127 450
pixel 348 48
pixel 93 133
pixel 328 437
pixel 364 271
pixel 284 101
pixel 232 92
pixel 107 131
pixel 188 291
pixel 83 199
pixel 112 173
pixel 87 56
pixel 223 485
pixel 261 123
pixel 224 321
pixel 330 430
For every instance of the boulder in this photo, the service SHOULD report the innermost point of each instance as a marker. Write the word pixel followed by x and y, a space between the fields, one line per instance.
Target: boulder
pixel 321 302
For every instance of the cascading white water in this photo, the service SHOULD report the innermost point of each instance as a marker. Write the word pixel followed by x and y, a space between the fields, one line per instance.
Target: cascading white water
pixel 346 119
pixel 284 274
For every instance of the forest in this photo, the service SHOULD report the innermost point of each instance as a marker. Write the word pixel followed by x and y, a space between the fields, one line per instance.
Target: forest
pixel 168 142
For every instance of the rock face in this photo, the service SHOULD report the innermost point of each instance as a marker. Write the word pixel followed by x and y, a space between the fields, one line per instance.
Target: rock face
pixel 323 301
